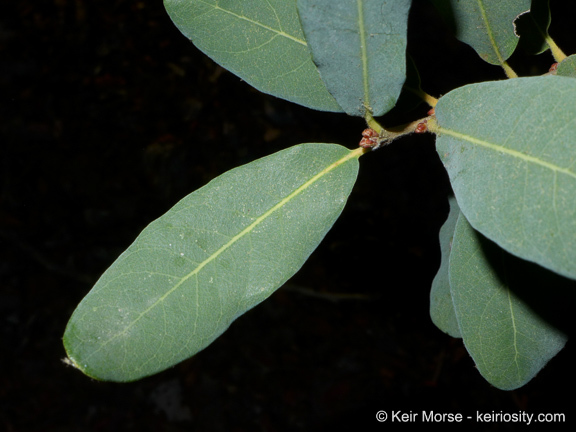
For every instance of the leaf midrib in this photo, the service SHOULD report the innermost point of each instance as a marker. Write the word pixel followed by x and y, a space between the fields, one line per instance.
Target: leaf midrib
pixel 251 21
pixel 489 32
pixel 363 52
pixel 232 241
pixel 508 151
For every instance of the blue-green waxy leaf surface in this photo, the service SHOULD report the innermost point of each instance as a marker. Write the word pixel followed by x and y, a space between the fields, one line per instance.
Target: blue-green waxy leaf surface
pixel 217 253
pixel 486 25
pixel 441 306
pixel 261 41
pixel 508 339
pixel 567 67
pixel 510 150
pixel 359 47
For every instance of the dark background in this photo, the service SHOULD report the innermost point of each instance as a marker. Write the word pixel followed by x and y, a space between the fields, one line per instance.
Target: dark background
pixel 108 117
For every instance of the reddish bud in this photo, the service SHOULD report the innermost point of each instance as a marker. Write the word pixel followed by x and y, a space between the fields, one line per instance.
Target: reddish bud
pixel 369 133
pixel 368 142
pixel 421 127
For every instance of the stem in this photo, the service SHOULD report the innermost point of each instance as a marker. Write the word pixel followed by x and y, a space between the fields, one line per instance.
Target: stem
pixel 386 136
pixel 393 133
pixel 359 152
pixel 555 49
pixel 372 123
pixel 430 100
pixel 405 129
pixel 509 71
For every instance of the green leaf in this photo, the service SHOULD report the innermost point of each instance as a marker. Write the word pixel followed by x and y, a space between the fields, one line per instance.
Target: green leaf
pixel 261 41
pixel 567 67
pixel 360 49
pixel 441 306
pixel 217 253
pixel 510 151
pixel 508 340
pixel 485 25
pixel 533 27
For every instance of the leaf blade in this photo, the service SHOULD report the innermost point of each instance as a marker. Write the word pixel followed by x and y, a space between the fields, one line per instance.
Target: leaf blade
pixel 441 304
pixel 509 341
pixel 510 152
pixel 360 50
pixel 213 256
pixel 261 41
pixel 567 67
pixel 486 26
